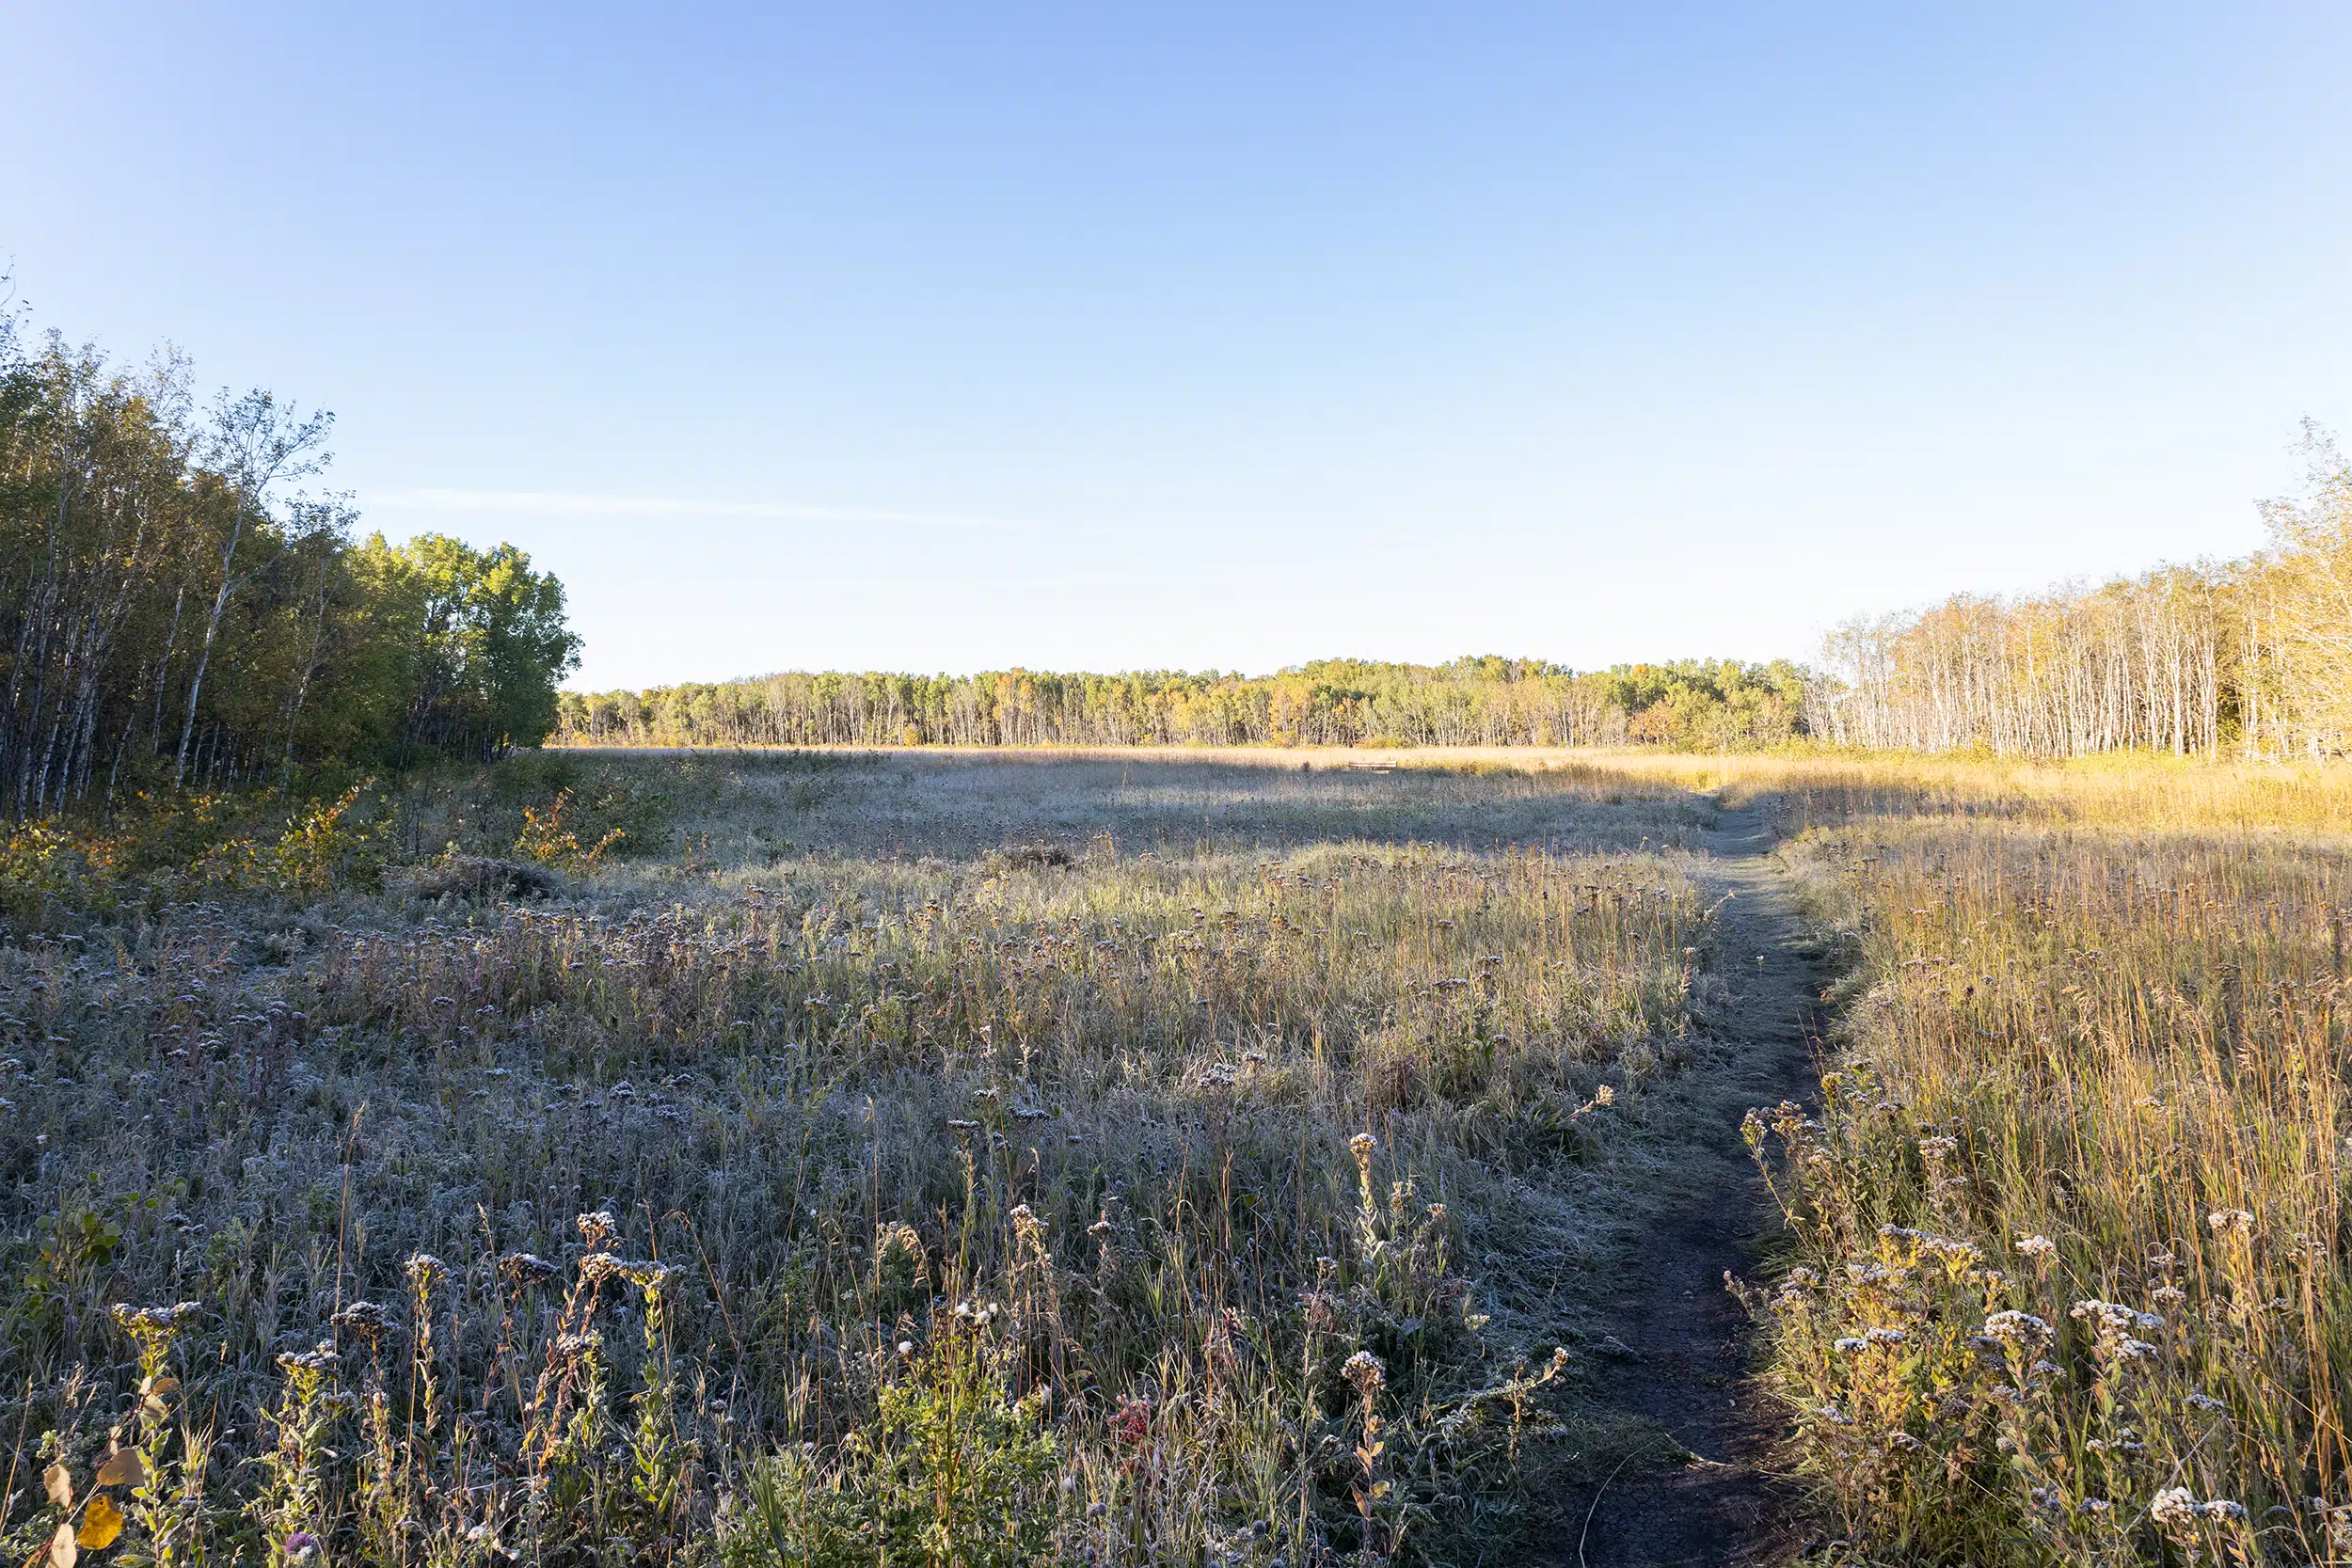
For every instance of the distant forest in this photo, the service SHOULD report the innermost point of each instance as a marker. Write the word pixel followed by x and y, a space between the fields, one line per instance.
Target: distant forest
pixel 2250 659
pixel 175 615
pixel 1471 702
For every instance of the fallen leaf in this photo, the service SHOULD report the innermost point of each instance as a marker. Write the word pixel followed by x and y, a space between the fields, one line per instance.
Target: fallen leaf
pixel 60 1484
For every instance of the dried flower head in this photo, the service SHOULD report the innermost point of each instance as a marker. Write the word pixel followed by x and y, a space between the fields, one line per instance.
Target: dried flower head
pixel 570 1347
pixel 363 1318
pixel 525 1268
pixel 2023 1329
pixel 155 1325
pixel 648 1275
pixel 320 1359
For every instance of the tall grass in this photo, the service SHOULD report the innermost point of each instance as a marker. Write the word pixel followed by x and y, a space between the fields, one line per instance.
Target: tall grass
pixel 2069 1282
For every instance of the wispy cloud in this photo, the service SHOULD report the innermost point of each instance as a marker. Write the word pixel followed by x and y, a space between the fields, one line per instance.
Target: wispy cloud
pixel 559 504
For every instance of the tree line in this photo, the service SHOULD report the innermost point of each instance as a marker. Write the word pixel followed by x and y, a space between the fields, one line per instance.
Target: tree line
pixel 1696 704
pixel 2252 658
pixel 176 613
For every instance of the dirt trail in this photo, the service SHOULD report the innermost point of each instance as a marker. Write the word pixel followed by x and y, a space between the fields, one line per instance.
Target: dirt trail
pixel 1682 1342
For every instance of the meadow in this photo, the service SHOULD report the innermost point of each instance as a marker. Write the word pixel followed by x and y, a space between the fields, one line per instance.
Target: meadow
pixel 835 1158
pixel 815 1157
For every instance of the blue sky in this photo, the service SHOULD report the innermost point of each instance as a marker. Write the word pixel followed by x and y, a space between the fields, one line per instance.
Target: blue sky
pixel 1207 334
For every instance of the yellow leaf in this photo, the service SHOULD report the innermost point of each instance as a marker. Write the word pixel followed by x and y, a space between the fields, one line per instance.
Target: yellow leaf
pixel 124 1467
pixel 101 1523
pixel 60 1484
pixel 61 1548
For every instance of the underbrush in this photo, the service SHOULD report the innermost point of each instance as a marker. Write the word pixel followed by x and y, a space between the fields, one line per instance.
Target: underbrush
pixel 2069 1282
pixel 55 873
pixel 1088 1205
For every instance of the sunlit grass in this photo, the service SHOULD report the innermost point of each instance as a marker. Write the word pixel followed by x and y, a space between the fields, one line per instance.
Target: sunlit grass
pixel 2071 1223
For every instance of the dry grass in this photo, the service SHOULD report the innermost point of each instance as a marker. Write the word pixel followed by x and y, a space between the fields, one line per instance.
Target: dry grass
pixel 901 1158
pixel 2070 1281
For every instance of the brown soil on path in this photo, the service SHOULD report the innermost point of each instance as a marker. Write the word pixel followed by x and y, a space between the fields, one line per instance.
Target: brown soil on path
pixel 1679 1345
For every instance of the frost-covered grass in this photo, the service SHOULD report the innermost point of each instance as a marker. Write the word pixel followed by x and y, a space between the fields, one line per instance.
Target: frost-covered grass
pixel 945 1161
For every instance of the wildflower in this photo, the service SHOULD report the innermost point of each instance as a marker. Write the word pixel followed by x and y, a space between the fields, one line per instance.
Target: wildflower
pixel 1884 1336
pixel 569 1347
pixel 1361 1146
pixel 597 1267
pixel 1363 1369
pixel 2227 1220
pixel 596 1225
pixel 2036 1247
pixel 425 1271
pixel 1852 1346
pixel 906 1347
pixel 301 1547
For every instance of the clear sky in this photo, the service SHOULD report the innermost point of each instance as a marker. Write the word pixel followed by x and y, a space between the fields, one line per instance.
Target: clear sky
pixel 1212 335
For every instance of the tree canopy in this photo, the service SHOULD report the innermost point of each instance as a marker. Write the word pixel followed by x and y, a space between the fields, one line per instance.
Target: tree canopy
pixel 175 614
